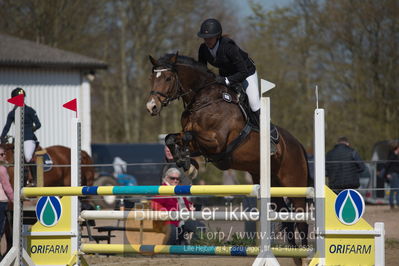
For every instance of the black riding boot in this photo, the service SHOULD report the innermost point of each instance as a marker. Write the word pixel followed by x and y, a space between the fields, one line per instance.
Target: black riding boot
pixel 257 118
pixel 273 133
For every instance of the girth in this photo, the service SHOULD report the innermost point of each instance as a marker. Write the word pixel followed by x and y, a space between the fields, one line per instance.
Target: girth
pixel 225 156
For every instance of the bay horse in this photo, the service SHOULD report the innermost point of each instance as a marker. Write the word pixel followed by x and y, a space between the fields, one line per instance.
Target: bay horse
pixel 58 176
pixel 210 124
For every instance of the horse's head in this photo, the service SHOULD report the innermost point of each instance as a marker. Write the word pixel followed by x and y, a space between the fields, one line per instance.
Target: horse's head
pixel 165 84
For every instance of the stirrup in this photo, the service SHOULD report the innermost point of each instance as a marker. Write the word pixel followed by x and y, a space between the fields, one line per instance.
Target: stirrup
pixel 274 134
pixel 273 148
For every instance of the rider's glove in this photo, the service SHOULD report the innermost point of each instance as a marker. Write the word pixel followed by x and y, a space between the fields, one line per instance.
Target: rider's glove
pixel 222 80
pixel 3 140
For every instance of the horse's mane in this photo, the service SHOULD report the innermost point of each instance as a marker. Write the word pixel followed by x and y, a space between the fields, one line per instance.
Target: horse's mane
pixel 186 60
pixel 88 172
pixel 85 157
pixel 7 146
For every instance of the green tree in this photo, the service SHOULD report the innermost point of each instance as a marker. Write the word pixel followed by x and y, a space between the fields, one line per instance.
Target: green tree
pixel 349 49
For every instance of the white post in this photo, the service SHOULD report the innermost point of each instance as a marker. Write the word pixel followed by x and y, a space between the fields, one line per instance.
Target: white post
pixel 84 114
pixel 379 244
pixel 17 253
pixel 265 256
pixel 319 181
pixel 75 152
pixel 75 182
pixel 18 179
pixel 265 178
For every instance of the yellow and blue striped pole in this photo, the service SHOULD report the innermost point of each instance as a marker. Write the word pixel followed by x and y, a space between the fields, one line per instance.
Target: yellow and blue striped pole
pixel 248 190
pixel 210 190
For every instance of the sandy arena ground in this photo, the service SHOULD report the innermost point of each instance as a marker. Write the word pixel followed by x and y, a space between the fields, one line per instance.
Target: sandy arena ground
pixel 373 214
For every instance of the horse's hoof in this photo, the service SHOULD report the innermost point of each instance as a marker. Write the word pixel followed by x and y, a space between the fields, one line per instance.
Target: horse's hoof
pixel 192 172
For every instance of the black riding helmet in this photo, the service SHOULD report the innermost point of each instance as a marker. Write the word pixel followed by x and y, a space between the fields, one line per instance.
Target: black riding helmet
pixel 17 91
pixel 210 28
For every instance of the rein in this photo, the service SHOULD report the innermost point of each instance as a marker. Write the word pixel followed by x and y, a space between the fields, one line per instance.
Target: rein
pixel 192 110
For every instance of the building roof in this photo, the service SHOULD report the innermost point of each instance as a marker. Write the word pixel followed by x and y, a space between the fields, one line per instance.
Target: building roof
pixel 15 52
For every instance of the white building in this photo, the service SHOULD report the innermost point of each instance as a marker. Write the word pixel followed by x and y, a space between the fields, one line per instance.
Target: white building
pixel 50 78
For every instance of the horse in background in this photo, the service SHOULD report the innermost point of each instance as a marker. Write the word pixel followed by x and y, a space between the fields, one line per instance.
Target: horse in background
pixel 212 123
pixel 58 176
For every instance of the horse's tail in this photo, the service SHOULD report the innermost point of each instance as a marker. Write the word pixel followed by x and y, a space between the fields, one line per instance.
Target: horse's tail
pixel 87 171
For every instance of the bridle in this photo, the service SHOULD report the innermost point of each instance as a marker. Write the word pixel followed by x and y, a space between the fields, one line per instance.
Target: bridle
pixel 178 90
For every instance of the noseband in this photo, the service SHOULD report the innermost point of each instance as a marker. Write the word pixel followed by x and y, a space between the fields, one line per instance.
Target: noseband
pixel 177 87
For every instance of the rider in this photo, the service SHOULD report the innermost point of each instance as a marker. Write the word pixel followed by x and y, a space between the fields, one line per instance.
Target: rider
pixel 31 124
pixel 235 66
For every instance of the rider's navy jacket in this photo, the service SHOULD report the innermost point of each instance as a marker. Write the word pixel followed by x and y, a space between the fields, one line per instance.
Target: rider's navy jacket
pixel 31 123
pixel 232 62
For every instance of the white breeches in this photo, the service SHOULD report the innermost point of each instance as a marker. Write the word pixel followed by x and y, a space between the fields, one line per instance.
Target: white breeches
pixel 29 149
pixel 251 87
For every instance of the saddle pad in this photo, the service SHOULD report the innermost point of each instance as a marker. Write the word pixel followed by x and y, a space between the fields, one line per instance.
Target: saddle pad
pixel 47 161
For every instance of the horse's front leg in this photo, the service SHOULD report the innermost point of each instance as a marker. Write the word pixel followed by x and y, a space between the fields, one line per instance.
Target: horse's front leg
pixel 186 150
pixel 179 146
pixel 173 142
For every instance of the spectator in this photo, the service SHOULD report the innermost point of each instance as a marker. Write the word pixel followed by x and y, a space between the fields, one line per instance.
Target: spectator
pixel 120 172
pixel 6 191
pixel 380 193
pixel 343 166
pixel 392 174
pixel 176 230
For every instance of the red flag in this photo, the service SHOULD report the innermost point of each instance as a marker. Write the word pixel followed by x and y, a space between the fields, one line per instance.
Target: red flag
pixel 17 100
pixel 71 105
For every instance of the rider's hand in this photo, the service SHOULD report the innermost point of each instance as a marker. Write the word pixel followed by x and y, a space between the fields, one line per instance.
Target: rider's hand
pixel 221 80
pixel 3 140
